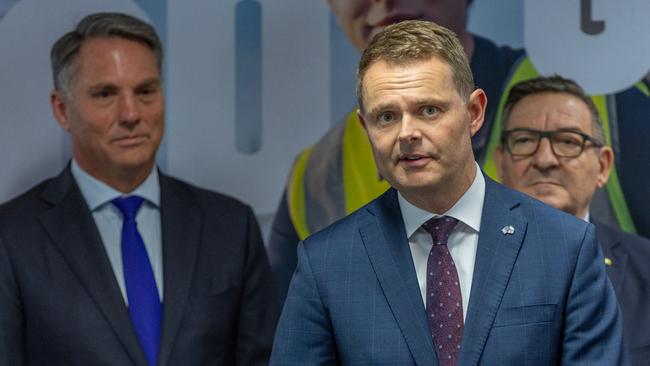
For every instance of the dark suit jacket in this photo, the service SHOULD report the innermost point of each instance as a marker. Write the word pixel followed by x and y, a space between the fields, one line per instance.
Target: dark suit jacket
pixel 540 296
pixel 630 275
pixel 60 303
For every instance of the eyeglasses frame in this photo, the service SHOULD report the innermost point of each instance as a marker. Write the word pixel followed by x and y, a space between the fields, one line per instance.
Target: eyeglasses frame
pixel 549 134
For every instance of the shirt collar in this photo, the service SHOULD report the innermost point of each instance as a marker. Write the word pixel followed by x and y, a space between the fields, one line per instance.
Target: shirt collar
pixel 468 209
pixel 97 193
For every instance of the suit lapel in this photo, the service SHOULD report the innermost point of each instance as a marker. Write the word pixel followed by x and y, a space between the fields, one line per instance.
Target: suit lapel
pixel 384 238
pixel 610 242
pixel 73 231
pixel 495 258
pixel 181 222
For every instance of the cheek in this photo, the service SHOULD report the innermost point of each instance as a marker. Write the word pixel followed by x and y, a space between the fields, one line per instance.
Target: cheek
pixel 514 173
pixel 382 145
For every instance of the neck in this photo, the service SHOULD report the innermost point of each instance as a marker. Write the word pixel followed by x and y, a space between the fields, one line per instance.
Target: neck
pixel 440 199
pixel 127 182
pixel 122 180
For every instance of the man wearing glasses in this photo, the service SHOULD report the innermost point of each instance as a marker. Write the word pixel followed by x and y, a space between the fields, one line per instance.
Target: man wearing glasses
pixel 552 148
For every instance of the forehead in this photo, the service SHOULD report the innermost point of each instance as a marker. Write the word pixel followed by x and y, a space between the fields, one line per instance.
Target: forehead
pixel 550 111
pixel 102 54
pixel 430 78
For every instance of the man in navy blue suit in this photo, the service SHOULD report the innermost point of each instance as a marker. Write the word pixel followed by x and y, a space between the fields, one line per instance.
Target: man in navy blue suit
pixel 447 267
pixel 78 252
pixel 564 170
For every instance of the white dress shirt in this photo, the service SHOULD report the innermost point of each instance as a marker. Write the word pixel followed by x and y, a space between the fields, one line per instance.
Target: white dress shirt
pixel 108 219
pixel 463 240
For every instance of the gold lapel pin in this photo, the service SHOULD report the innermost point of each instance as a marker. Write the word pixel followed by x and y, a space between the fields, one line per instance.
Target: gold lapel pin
pixel 608 262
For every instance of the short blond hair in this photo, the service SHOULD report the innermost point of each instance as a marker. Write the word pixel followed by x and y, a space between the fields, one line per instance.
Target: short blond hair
pixel 417 40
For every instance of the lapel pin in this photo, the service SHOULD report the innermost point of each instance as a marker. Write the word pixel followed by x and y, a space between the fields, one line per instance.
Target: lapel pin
pixel 608 262
pixel 508 230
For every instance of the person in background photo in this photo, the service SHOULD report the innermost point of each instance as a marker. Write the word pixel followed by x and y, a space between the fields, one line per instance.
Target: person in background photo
pixel 552 148
pixel 113 262
pixel 447 267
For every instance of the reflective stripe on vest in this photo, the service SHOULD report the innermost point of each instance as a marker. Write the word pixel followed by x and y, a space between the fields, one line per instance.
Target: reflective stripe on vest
pixel 361 179
pixel 296 194
pixel 524 70
pixel 343 157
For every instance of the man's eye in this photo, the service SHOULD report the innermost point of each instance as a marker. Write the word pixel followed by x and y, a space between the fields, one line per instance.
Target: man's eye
pixel 523 140
pixel 101 94
pixel 147 91
pixel 430 111
pixel 386 117
pixel 568 141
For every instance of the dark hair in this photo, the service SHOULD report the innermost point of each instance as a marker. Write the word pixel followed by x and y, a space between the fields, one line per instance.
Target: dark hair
pixel 98 25
pixel 552 84
pixel 417 40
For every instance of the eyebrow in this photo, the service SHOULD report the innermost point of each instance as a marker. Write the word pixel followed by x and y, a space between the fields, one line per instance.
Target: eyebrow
pixel 154 81
pixel 416 102
pixel 381 107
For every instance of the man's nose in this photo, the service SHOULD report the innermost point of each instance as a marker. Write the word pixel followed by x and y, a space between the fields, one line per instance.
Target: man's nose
pixel 544 158
pixel 129 109
pixel 409 130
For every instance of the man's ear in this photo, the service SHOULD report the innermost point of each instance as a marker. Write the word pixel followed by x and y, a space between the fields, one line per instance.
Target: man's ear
pixel 362 120
pixel 605 161
pixel 59 104
pixel 476 108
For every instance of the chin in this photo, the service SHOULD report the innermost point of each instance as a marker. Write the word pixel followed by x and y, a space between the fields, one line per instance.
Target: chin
pixel 553 202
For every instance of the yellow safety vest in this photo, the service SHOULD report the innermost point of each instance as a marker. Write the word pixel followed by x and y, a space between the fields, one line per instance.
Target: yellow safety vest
pixel 354 162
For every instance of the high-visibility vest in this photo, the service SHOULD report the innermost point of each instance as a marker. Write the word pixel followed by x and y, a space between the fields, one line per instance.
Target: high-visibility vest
pixel 333 178
pixel 606 106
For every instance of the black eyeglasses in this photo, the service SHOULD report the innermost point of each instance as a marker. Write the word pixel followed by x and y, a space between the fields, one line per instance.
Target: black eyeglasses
pixel 564 143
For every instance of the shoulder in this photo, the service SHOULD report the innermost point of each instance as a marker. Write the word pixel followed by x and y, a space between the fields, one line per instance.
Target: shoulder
pixel 485 48
pixel 326 151
pixel 609 236
pixel 26 204
pixel 542 219
pixel 346 231
pixel 201 197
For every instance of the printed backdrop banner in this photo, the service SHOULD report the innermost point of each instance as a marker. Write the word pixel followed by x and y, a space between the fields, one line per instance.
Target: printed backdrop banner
pixel 602 44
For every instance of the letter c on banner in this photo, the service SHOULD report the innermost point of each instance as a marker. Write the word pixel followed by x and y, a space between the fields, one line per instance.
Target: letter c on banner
pixel 604 45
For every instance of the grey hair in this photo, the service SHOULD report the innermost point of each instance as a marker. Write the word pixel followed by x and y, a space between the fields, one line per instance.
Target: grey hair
pixel 99 25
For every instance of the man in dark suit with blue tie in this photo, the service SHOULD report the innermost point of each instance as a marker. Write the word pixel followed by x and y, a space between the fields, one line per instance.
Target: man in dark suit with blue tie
pixel 113 262
pixel 447 267
pixel 565 170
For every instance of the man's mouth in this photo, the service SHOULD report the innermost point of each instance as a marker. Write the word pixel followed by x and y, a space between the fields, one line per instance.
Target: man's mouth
pixel 413 160
pixel 130 140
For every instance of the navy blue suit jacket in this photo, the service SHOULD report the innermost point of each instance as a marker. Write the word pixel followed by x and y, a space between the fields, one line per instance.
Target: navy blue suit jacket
pixel 630 275
pixel 540 296
pixel 61 305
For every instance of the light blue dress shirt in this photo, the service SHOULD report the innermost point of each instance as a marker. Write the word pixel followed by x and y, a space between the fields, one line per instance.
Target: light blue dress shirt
pixel 108 219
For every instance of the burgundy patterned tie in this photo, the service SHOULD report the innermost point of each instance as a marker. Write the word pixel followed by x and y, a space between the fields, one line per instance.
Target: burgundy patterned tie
pixel 444 301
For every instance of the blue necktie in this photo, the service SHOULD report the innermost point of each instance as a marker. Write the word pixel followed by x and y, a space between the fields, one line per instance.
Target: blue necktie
pixel 141 290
